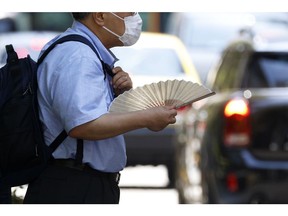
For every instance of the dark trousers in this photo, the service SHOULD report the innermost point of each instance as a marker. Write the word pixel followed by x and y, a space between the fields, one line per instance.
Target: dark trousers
pixel 64 185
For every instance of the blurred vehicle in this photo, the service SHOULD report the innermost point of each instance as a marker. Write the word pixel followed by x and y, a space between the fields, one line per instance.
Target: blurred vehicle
pixel 155 57
pixel 206 34
pixel 7 22
pixel 236 142
pixel 35 21
pixel 24 43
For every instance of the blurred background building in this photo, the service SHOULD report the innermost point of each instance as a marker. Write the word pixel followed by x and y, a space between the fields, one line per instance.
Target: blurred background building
pixel 56 21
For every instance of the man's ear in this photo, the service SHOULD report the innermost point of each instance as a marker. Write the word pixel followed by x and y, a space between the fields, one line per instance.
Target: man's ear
pixel 98 18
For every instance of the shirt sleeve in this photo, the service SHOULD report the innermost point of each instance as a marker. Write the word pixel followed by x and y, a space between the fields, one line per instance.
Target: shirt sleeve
pixel 79 90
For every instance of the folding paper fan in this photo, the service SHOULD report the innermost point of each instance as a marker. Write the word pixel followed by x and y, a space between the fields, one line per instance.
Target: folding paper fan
pixel 171 92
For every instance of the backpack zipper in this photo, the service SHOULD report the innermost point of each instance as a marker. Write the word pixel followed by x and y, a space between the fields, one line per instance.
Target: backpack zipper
pixel 28 90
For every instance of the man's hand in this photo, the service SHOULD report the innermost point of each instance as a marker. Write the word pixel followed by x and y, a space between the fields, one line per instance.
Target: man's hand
pixel 160 117
pixel 121 81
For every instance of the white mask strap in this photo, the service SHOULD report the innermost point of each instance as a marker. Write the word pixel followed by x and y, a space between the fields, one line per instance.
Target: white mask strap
pixel 109 29
pixel 117 16
pixel 111 32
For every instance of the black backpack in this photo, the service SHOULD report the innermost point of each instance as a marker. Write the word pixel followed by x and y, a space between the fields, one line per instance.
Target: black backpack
pixel 23 153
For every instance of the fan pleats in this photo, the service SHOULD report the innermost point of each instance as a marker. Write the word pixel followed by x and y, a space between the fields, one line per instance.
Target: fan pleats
pixel 176 93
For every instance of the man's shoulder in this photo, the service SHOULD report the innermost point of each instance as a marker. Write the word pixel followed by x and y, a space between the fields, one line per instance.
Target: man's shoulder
pixel 71 49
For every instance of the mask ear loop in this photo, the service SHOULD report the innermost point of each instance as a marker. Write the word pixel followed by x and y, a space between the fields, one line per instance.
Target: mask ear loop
pixel 117 16
pixel 111 31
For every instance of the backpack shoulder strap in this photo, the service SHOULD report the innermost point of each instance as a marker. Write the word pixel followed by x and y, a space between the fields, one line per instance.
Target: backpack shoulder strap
pixel 62 136
pixel 78 38
pixel 58 140
pixel 71 37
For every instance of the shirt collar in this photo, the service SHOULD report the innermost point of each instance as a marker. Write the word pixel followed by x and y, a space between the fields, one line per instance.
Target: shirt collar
pixel 107 56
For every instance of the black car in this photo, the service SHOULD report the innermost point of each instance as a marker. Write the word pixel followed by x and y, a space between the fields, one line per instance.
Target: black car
pixel 237 140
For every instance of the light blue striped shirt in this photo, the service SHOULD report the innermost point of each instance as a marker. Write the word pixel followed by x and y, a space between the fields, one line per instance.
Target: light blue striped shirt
pixel 72 91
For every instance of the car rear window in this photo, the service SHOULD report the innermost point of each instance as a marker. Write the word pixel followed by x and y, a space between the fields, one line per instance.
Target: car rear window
pixel 267 70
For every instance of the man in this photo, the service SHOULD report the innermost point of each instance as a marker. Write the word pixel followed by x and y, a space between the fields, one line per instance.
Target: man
pixel 74 94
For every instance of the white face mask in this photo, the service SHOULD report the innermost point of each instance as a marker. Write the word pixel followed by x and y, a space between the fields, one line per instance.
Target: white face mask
pixel 133 28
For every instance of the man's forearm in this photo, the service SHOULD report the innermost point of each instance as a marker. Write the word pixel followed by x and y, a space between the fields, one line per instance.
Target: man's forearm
pixel 109 125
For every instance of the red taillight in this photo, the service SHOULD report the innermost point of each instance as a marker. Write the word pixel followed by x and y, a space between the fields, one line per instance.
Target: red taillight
pixel 236 106
pixel 232 182
pixel 237 130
